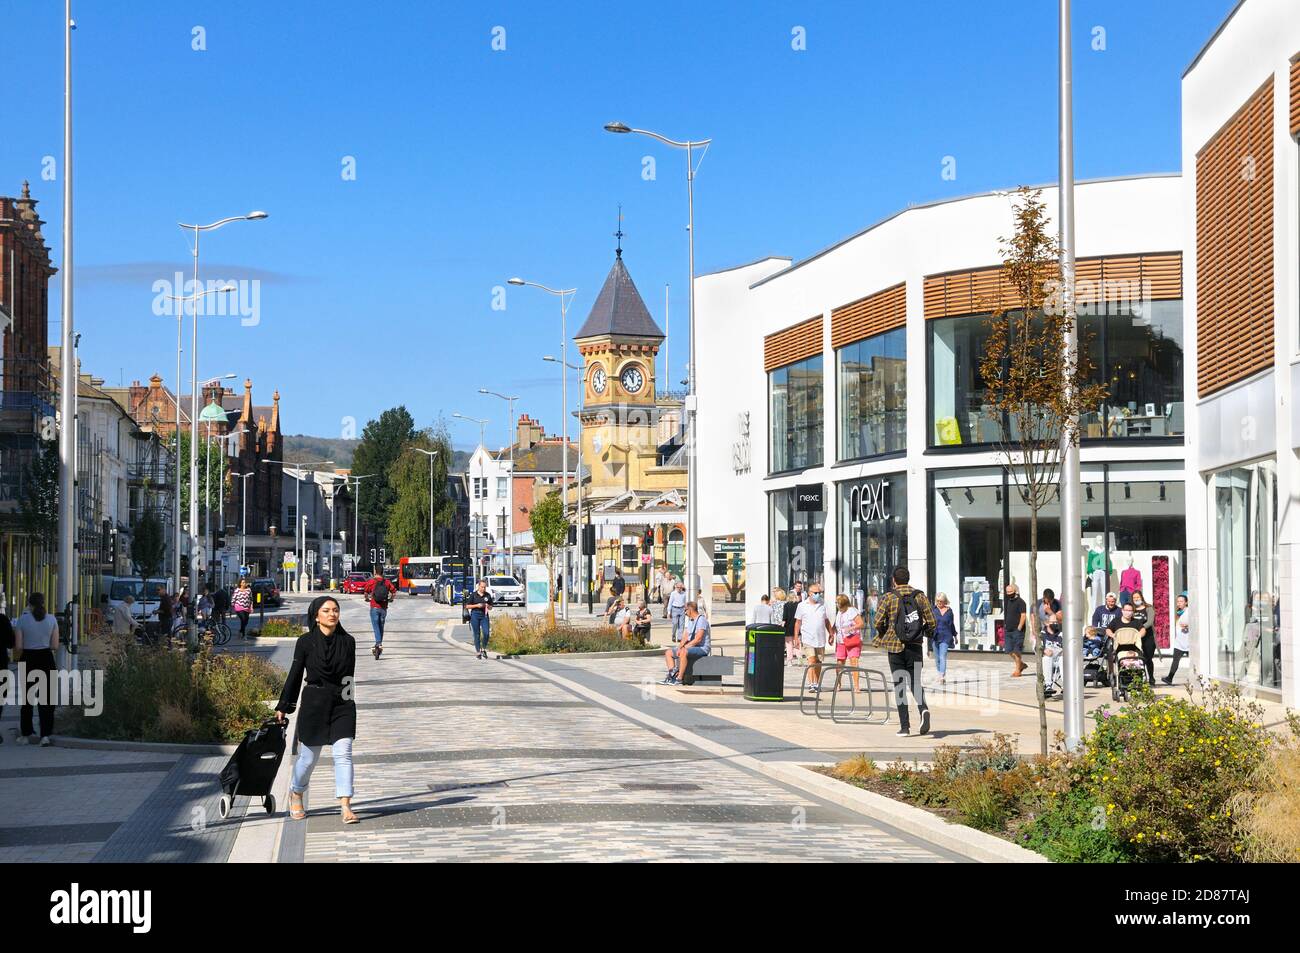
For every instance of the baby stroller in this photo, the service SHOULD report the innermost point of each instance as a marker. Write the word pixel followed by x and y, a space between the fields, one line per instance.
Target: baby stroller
pixel 1127 666
pixel 252 768
pixel 1094 659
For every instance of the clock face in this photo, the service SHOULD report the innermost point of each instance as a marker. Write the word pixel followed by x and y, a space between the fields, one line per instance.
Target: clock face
pixel 598 380
pixel 632 379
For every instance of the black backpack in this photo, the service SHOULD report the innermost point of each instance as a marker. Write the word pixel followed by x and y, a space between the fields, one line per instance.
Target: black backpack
pixel 908 626
pixel 380 592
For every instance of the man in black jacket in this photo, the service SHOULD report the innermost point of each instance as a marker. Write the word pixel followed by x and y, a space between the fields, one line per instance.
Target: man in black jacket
pixel 1014 613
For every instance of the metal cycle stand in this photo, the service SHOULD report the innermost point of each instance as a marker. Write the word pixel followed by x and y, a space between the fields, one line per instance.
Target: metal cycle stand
pixel 875 682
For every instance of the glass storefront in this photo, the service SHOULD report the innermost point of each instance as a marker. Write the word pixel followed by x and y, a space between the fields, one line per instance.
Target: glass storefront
pixel 1247 645
pixel 1133 529
pixel 795 407
pixel 1136 347
pixel 873 535
pixel 795 539
pixel 873 395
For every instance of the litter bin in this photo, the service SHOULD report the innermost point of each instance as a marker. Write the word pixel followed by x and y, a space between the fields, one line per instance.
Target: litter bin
pixel 765 663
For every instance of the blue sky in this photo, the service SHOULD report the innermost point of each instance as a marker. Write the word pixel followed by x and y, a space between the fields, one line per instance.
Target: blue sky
pixel 474 164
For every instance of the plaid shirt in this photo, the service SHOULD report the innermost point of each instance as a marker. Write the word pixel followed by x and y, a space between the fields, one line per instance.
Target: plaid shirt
pixel 888 612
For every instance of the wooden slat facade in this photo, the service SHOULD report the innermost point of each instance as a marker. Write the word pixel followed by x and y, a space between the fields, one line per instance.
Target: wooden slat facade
pixel 1234 247
pixel 874 314
pixel 1117 278
pixel 793 344
pixel 1295 96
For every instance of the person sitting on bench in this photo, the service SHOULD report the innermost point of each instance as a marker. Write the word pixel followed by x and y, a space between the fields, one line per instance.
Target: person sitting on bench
pixel 695 644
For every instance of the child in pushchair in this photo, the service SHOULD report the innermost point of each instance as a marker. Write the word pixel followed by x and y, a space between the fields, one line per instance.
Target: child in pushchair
pixel 1127 666
pixel 1094 657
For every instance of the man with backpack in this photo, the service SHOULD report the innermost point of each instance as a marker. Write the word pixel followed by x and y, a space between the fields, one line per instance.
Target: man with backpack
pixel 378 590
pixel 903 623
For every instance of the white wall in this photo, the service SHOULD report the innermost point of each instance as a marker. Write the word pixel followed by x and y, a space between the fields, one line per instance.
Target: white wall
pixel 1255 418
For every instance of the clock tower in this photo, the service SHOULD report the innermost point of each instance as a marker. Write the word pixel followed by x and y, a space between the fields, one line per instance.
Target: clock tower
pixel 620 415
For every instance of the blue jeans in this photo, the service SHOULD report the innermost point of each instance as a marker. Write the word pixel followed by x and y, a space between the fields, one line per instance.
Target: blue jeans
pixel 377 617
pixel 941 656
pixel 481 625
pixel 309 755
pixel 678 619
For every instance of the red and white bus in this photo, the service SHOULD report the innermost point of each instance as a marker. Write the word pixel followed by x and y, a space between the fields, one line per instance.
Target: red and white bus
pixel 415 574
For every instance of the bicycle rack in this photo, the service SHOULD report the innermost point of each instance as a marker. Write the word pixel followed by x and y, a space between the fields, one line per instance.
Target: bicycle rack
pixel 857 713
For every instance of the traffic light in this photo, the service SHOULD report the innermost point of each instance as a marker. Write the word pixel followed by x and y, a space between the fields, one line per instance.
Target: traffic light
pixel 218 538
pixel 573 535
pixel 589 540
pixel 648 544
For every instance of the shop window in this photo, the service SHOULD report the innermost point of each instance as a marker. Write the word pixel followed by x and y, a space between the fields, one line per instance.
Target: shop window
pixel 796 541
pixel 1245 615
pixel 675 553
pixel 873 537
pixel 873 395
pixel 795 409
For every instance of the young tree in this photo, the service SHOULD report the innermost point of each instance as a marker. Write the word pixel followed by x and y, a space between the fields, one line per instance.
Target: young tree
pixel 39 504
pixel 148 545
pixel 210 489
pixel 1037 390
pixel 382 442
pixel 408 520
pixel 550 533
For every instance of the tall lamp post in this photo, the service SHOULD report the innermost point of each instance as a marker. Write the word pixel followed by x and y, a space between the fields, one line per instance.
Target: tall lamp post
pixel 194 401
pixel 692 507
pixel 298 548
pixel 356 516
pixel 176 502
pixel 482 441
pixel 67 368
pixel 563 294
pixel 1071 504
pixel 583 563
pixel 510 495
pixel 243 515
pixel 430 454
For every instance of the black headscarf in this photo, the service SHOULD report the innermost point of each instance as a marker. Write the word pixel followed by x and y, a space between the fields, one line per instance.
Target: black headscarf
pixel 331 647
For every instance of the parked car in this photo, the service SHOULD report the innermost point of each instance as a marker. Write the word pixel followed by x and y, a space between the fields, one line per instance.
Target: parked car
pixel 265 587
pixel 449 588
pixel 505 590
pixel 355 582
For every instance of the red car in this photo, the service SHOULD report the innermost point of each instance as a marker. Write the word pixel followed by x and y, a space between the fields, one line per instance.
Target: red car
pixel 355 582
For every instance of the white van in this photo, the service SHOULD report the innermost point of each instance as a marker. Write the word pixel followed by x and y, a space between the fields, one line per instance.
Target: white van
pixel 146 594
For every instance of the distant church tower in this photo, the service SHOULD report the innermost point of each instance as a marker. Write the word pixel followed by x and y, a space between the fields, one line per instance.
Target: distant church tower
pixel 618 343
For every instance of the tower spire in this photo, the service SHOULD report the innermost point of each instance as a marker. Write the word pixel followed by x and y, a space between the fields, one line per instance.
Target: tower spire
pixel 618 250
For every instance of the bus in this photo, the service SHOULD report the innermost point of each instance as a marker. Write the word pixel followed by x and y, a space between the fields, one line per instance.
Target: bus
pixel 415 574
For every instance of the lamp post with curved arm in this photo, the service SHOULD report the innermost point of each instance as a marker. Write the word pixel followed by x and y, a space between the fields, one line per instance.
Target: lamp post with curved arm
pixel 430 454
pixel 692 503
pixel 194 400
pixel 510 494
pixel 577 475
pixel 482 442
pixel 562 294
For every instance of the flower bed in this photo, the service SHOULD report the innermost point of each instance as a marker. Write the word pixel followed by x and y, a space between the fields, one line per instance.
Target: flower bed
pixel 515 636
pixel 1162 779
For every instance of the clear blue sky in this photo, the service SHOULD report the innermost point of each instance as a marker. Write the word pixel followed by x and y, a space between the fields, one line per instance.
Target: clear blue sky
pixel 474 165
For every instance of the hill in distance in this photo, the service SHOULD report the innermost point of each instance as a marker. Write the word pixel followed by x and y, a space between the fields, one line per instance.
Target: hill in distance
pixel 302 448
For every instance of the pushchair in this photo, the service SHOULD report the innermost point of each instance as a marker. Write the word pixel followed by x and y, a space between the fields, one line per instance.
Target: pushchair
pixel 1127 666
pixel 252 768
pixel 1094 658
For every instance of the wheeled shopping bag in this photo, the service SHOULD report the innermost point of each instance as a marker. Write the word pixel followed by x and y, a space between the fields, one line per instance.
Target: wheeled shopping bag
pixel 252 768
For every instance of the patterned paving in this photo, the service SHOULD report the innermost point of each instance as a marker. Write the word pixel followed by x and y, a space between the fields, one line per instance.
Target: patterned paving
pixel 461 759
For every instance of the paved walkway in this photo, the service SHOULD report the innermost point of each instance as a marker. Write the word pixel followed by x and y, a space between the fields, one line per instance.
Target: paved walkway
pixel 461 759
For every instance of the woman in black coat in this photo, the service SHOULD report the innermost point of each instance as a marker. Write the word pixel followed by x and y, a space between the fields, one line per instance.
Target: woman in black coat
pixel 327 655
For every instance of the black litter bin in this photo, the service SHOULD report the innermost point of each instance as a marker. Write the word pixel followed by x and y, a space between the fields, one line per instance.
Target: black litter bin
pixel 765 663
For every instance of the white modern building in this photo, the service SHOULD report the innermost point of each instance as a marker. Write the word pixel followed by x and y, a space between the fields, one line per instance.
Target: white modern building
pixel 843 425
pixel 488 476
pixel 1241 193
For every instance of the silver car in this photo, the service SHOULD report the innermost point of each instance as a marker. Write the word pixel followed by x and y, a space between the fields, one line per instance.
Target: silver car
pixel 505 590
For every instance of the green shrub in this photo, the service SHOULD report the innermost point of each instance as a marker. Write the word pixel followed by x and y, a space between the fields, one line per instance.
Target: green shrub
pixel 514 636
pixel 158 694
pixel 1073 832
pixel 280 629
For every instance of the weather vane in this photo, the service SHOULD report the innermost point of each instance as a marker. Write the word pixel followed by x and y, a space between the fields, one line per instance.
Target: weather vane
pixel 618 251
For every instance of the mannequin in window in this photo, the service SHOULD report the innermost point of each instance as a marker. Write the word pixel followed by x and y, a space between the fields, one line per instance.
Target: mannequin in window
pixel 1130 581
pixel 1097 569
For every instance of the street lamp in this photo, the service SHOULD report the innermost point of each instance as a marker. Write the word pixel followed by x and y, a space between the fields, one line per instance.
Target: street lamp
pixel 430 454
pixel 243 515
pixel 577 474
pixel 692 507
pixel 482 440
pixel 297 507
pixel 563 295
pixel 356 516
pixel 510 496
pixel 194 399
pixel 176 503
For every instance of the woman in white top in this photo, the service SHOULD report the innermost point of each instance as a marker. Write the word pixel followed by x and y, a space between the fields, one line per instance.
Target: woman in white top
pixel 35 643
